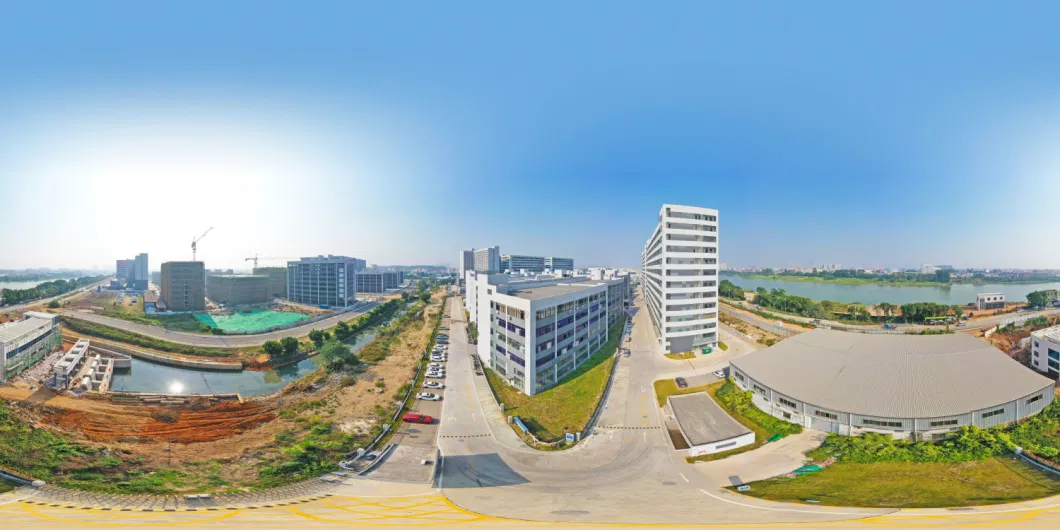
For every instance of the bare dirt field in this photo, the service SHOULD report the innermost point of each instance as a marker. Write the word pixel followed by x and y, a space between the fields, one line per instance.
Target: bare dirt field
pixel 235 441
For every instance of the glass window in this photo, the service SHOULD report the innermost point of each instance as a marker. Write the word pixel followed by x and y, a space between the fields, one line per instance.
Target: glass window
pixel 824 414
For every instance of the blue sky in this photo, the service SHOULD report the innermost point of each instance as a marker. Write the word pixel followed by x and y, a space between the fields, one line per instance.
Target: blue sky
pixel 824 132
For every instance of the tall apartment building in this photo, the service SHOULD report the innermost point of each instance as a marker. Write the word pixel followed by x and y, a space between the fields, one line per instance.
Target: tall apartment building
pixel 277 280
pixel 138 275
pixel 323 280
pixel 26 342
pixel 488 260
pixel 680 275
pixel 184 285
pixel 559 264
pixel 535 331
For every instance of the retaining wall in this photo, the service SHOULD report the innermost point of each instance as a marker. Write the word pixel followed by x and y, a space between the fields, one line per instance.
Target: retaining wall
pixel 166 359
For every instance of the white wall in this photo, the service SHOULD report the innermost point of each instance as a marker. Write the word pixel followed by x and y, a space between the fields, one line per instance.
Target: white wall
pixel 722 445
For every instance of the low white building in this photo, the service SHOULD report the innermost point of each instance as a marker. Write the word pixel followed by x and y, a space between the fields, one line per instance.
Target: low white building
pixel 26 342
pixel 984 301
pixel 535 330
pixel 1045 351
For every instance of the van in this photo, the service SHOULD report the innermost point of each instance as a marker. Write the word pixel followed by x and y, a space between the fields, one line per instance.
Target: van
pixel 417 418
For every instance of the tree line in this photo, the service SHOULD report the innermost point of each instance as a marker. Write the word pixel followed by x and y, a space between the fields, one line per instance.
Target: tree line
pixel 940 276
pixel 913 313
pixel 46 289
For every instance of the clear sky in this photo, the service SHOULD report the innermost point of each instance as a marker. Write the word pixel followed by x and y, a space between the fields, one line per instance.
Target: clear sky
pixel 824 132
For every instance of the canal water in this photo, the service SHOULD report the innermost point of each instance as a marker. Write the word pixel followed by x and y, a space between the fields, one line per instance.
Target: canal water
pixel 865 293
pixel 147 376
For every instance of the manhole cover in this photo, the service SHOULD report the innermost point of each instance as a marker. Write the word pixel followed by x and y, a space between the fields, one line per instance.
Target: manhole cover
pixel 669 483
pixel 570 512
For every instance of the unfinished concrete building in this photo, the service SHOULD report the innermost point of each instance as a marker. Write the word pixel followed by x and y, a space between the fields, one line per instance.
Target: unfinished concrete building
pixel 184 285
pixel 238 289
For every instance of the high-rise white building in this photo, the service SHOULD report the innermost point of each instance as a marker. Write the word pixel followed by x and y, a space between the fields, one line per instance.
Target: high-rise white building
pixel 488 260
pixel 680 276
pixel 559 264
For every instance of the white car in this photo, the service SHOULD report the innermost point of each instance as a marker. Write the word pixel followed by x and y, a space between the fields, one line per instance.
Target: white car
pixel 433 384
pixel 438 359
pixel 720 374
pixel 435 366
pixel 427 396
pixel 435 375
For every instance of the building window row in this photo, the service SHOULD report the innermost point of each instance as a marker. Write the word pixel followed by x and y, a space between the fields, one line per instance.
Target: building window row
pixel 1034 399
pixel 993 413
pixel 548 328
pixel 787 403
pixel 881 423
pixel 944 423
pixel 545 313
pixel 828 415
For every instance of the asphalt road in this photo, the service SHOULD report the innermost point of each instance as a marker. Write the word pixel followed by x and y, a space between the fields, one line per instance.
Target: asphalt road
pixel 624 474
pixel 219 341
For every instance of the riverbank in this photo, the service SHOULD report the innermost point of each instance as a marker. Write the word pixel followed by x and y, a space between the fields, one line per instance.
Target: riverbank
pixel 896 294
pixel 838 281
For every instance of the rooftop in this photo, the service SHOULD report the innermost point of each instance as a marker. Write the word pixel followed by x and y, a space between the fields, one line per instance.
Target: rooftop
pixel 1052 334
pixel 547 291
pixel 892 376
pixel 702 421
pixel 13 330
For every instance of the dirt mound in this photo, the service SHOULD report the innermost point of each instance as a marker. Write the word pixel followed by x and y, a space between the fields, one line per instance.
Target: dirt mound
pixel 153 423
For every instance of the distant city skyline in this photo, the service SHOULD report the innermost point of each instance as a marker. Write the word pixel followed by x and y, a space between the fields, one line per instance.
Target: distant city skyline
pixel 816 132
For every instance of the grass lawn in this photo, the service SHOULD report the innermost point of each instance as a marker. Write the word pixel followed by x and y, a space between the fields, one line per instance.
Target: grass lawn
pixel 567 406
pixel 667 387
pixel 910 485
pixel 681 356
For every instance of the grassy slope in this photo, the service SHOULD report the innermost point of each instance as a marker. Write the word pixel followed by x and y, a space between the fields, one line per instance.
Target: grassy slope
pixel 567 406
pixel 911 485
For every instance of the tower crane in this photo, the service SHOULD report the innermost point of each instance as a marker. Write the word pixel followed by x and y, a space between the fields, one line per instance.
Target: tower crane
pixel 195 242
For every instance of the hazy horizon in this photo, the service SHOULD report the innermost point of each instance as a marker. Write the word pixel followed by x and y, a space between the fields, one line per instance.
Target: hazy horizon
pixel 831 133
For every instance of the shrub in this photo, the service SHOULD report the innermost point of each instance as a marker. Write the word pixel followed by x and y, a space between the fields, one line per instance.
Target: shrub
pixel 165 415
pixel 272 348
pixel 54 304
pixel 337 356
pixel 205 328
pixel 217 331
pixel 348 380
pixel 290 345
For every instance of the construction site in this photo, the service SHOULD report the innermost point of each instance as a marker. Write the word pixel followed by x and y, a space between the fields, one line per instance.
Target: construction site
pixel 154 442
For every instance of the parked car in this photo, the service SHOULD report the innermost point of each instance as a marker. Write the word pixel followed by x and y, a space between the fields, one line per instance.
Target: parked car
pixel 962 324
pixel 681 383
pixel 428 396
pixel 438 359
pixel 720 374
pixel 444 328
pixel 435 366
pixel 433 384
pixel 412 417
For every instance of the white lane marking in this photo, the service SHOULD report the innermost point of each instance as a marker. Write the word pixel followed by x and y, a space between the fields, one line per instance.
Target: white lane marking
pixel 684 477
pixel 709 494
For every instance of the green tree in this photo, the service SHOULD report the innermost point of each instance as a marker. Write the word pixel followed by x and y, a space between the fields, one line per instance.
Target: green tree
pixel 317 337
pixel 1038 299
pixel 290 345
pixel 958 311
pixel 886 308
pixel 272 348
pixel 54 304
pixel 857 311
pixel 337 356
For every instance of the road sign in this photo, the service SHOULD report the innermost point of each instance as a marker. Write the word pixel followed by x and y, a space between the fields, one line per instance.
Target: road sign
pixel 743 487
pixel 570 438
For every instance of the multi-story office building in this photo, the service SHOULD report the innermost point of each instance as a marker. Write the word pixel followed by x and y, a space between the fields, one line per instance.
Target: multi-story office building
pixel 376 281
pixel 328 281
pixel 466 262
pixel 680 276
pixel 184 285
pixel 984 301
pixel 24 343
pixel 534 331
pixel 277 280
pixel 534 264
pixel 559 264
pixel 121 270
pixel 138 275
pixel 238 289
pixel 488 260
pixel 517 263
pixel 1045 351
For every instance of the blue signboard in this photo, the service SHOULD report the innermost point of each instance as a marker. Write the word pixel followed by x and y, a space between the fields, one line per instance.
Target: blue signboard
pixel 521 425
pixel 570 438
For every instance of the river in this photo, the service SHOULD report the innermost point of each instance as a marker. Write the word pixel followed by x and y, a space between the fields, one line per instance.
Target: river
pixel 147 376
pixel 22 285
pixel 867 293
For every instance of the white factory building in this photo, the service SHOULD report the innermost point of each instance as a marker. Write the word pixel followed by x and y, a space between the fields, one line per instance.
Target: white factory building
pixel 535 330
pixel 1045 351
pixel 27 341
pixel 680 275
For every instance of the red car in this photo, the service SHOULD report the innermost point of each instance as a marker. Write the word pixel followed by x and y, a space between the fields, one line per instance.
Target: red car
pixel 418 418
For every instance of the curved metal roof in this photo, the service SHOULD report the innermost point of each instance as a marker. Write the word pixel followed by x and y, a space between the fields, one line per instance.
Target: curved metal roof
pixel 892 376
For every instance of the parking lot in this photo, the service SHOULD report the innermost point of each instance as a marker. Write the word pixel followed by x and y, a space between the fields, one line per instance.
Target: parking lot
pixel 417 441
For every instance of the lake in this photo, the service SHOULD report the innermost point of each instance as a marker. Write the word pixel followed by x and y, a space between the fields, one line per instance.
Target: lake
pixel 21 285
pixel 865 293
pixel 147 376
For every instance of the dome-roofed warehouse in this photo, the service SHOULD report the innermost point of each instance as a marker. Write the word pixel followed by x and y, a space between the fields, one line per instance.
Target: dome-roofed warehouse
pixel 899 384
